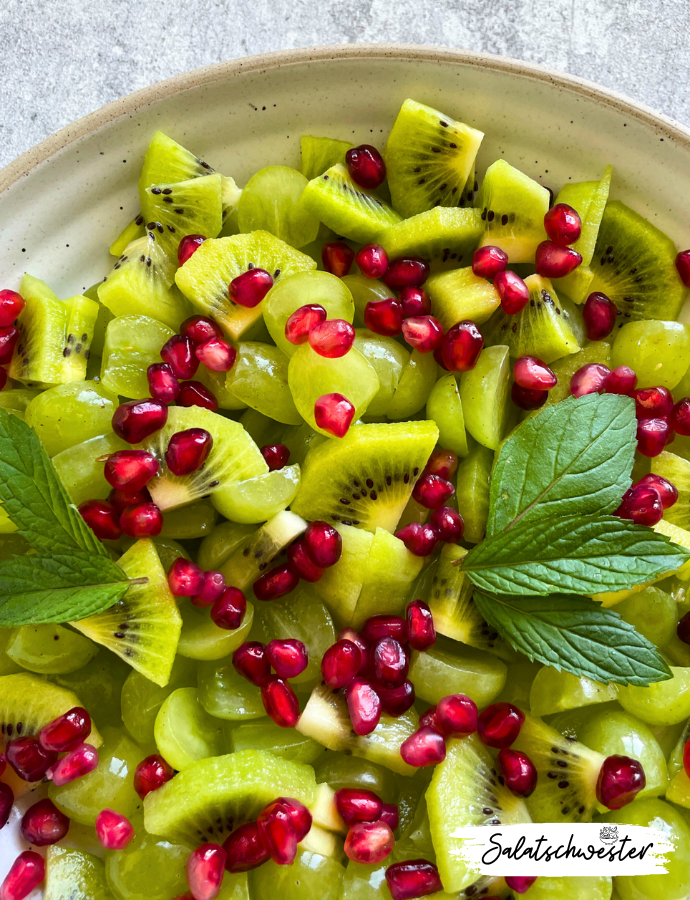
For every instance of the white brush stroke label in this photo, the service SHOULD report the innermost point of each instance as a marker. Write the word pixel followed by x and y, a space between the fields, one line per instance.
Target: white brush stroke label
pixel 562 849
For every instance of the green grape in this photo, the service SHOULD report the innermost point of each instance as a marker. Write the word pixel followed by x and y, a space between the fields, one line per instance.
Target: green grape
pixel 260 428
pixel 259 378
pixel 653 612
pixel 682 389
pixel 264 734
pixel 99 687
pixel 224 693
pixel 168 551
pixel 16 400
pixel 662 703
pixel 657 351
pixel 270 202
pixel 674 884
pixel 110 785
pixel 131 344
pixel 258 499
pixel 571 722
pixel 216 382
pixel 81 468
pixel 445 408
pixel 365 290
pixel 141 698
pixel 220 544
pixel 194 521
pixel 299 439
pixel 554 691
pixel 50 649
pixel 302 289
pixel 74 874
pixel 365 882
pixel 149 868
pixel 235 886
pixel 201 638
pixel 452 668
pixel 519 682
pixel 340 770
pixel 578 887
pixel 310 875
pixel 185 732
pixel 71 413
pixel 472 491
pixel 7 666
pixel 484 392
pixel 415 386
pixel 408 798
pixel 677 651
pixel 389 360
pixel 565 368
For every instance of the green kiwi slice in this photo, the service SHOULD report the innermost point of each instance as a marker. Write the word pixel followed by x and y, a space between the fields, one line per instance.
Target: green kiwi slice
pixel 543 329
pixel 167 162
pixel 429 159
pixel 131 232
pixel 512 207
pixel 205 277
pixel 186 207
pixel 345 207
pixel 254 553
pixel 366 478
pixel 634 265
pixel 589 199
pixel 460 294
pixel 269 202
pixel 213 796
pixel 445 237
pixel 320 153
pixel 143 628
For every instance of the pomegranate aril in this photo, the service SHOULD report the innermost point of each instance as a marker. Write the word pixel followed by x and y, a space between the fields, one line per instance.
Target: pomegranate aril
pixel 366 166
pixel 250 288
pixel 443 463
pixel 525 399
pixel 78 763
pixel 340 664
pixel 384 317
pixel 426 747
pixel 406 272
pixel 653 403
pixel 666 490
pixel 280 701
pixel 421 633
pixel 200 329
pixel 554 261
pixel 178 353
pixel 188 451
pixel 642 504
pixel 599 316
pixel 499 725
pixel 102 518
pixel 323 544
pixel 8 340
pixel 456 714
pixel 194 393
pixel 372 260
pixel 364 706
pixel 138 419
pixel 302 321
pixel 185 578
pixel 652 436
pixel 6 803
pixel 276 456
pixel 428 719
pixel 251 662
pixel 390 814
pixel 420 539
pixel 113 830
pixel 397 700
pixel 287 656
pixel 332 338
pixel 423 333
pixel 358 805
pixel 412 879
pixel 620 780
pixel 680 417
pixel 216 354
pixel 145 520
pixel 213 587
pixel 369 842
pixel 278 833
pixel 27 872
pixel 432 491
pixel 67 731
pixel 205 870
pixel 162 383
pixel 3 763
pixel 130 470
pixel 513 292
pixel 461 347
pixel 390 662
pixel 245 849
pixel 686 758
pixel 43 824
pixel 150 774
pixel 520 884
pixel 589 379
pixel 188 246
pixel 337 258
pixel 562 224
pixel 683 630
pixel 299 815
pixel 449 524
pixel 488 261
pixel 3 378
pixel 229 609
pixel 334 413
pixel 11 304
pixel 621 380
pixel 682 265
pixel 519 772
pixel 275 583
pixel 533 375
pixel 414 301
pixel 381 626
pixel 29 759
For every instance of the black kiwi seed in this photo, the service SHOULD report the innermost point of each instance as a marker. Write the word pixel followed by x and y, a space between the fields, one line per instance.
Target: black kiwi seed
pixel 139 220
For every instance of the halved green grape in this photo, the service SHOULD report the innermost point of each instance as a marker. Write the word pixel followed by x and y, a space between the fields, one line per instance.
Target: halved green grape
pixel 554 691
pixel 472 492
pixel 484 392
pixel 365 290
pixel 657 351
pixel 389 360
pixel 571 722
pixel 518 684
pixel 259 377
pixel 662 703
pixel 81 470
pixel 201 638
pixel 678 791
pixel 7 665
pixel 185 732
pixel 299 439
pixel 141 698
pixel 235 886
pixel 364 882
pixel 99 687
pixel 269 202
pixel 444 406
pixel 340 770
pixel 195 521
pixel 570 887
pixel 653 612
pixel 74 875
pixel 415 385
pixel 131 344
pixel 224 693
pixel 341 584
pixel 260 428
pixel 264 734
pixel 71 413
pixel 310 875
pixel 149 868
pixel 565 368
pixel 220 543
pixel 258 499
pixel 50 649
pixel 18 399
pixel 452 668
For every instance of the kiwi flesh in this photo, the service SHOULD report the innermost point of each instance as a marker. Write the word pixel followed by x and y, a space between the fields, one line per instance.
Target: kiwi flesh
pixel 444 237
pixel 167 162
pixel 205 277
pixel 173 211
pixel 320 153
pixel 459 294
pixel 255 553
pixel 366 478
pixel 589 199
pixel 634 265
pixel 512 208
pixel 131 232
pixel 143 628
pixel 429 159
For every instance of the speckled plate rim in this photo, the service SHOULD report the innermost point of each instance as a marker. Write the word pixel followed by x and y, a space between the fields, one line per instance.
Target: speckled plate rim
pixel 127 106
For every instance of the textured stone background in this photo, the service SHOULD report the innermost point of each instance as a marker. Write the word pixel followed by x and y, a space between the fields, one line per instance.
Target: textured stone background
pixel 61 59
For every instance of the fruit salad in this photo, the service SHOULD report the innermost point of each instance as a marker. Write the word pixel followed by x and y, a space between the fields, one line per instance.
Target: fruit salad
pixel 350 509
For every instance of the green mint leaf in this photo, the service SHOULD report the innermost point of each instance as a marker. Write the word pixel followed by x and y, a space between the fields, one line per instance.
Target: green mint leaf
pixel 573 458
pixel 576 635
pixel 573 554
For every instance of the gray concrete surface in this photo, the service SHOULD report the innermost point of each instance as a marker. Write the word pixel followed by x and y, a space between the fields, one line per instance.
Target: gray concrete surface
pixel 60 59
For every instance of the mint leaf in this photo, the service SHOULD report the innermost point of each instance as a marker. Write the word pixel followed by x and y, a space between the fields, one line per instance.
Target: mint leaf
pixel 576 635
pixel 572 458
pixel 574 554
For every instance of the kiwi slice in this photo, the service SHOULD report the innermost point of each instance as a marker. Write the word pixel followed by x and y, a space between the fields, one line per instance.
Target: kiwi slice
pixel 634 265
pixel 466 790
pixel 269 202
pixel 577 285
pixel 74 875
pixel 445 237
pixel 143 628
pixel 460 294
pixel 54 336
pixel 320 153
pixel 185 207
pixel 167 162
pixel 429 159
pixel 205 277
pixel 512 207
pixel 366 478
pixel 254 553
pixel 589 199
pixel 345 207
pixel 28 702
pixel 213 796
pixel 543 328
pixel 677 470
pixel 131 232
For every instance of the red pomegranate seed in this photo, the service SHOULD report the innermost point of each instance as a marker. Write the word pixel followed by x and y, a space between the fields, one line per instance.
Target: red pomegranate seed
pixel 525 399
pixel 642 504
pixel 680 417
pixel 334 413
pixel 130 470
pixel 366 166
pixel 3 378
pixel 414 301
pixel 653 403
pixel 390 662
pixel 27 872
pixel 200 329
pixel 589 379
pixel 276 456
pixel 8 340
pixel 122 499
pixel 185 578
pixel 163 385
pixel 449 524
pixel 666 490
pixel 438 356
pixel 78 763
pixel 378 627
pixel 150 774
pixel 229 609
pixel 461 347
pixel 216 354
pixel 428 719
pixel 599 316
pixel 533 375
pixel 194 393
pixel 364 705
pixel 6 803
pixel 369 842
pixel 302 321
pixel 443 463
pixel 683 266
pixel 278 833
pixel 420 626
pixel 406 272
pixel 488 261
pixel 683 629
pixel 113 830
pixel 500 724
pixel 412 879
pixel 138 419
pixel 323 544
pixel 621 380
pixel 349 634
pixel 384 317
pixel 188 247
pixel 431 491
pixel 43 824
pixel 3 763
pixel 372 260
pixel 214 585
pixel 11 304
pixel 620 780
pixel 519 772
pixel 299 814
pixel 426 747
pixel 275 583
pixel 102 519
pixel 280 702
pixel 358 805
pixel 396 701
pixel 423 333
pixel 419 539
pixel 28 758
pixel 145 520
pixel 520 883
pixel 554 261
pixel 652 436
pixel 250 288
pixel 562 224
pixel 245 849
pixel 513 292
pixel 456 714
pixel 332 338
pixel 686 758
pixel 390 814
pixel 251 662
pixel 178 353
pixel 67 731
pixel 188 451
pixel 205 870
pixel 340 664
pixel 337 258
pixel 288 656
